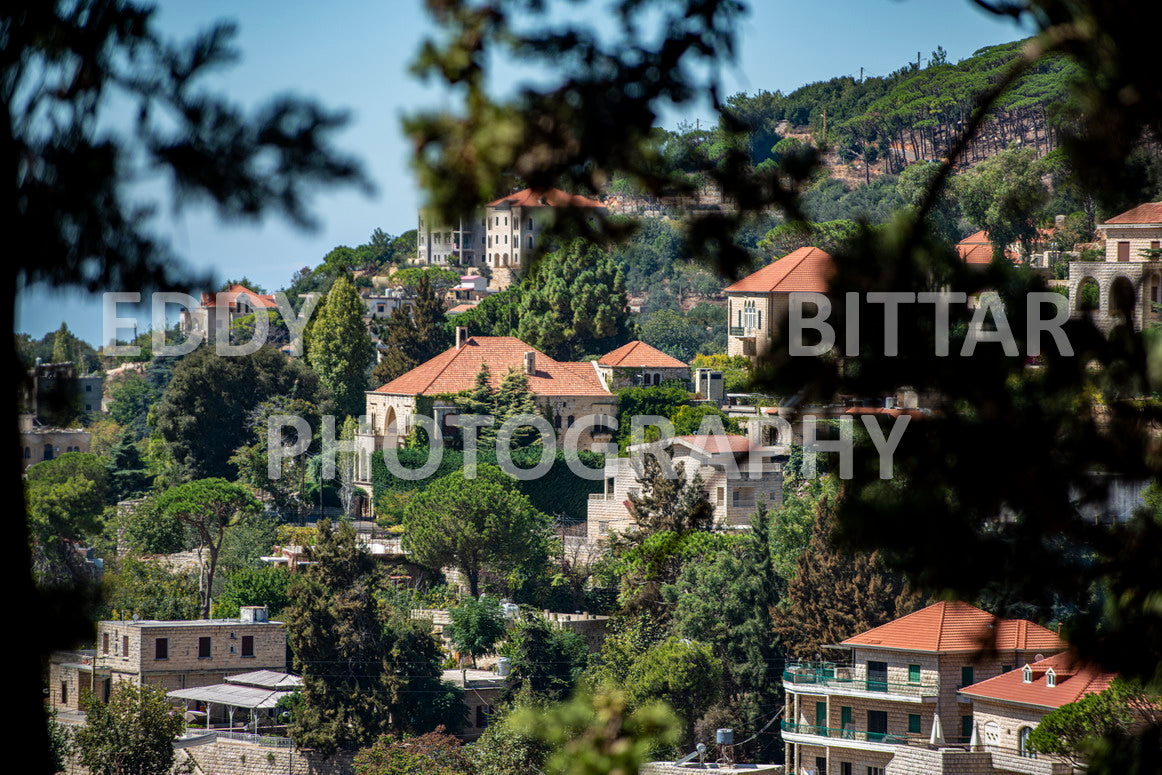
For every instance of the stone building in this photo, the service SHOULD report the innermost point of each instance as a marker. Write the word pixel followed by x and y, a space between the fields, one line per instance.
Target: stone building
pixel 900 688
pixel 564 391
pixel 1128 280
pixel 483 690
pixel 757 303
pixel 723 462
pixel 462 244
pixel 637 364
pixel 44 442
pixel 235 302
pixel 184 654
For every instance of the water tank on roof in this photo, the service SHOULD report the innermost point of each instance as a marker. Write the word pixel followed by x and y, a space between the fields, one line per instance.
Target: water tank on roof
pixel 503 665
pixel 724 737
pixel 253 614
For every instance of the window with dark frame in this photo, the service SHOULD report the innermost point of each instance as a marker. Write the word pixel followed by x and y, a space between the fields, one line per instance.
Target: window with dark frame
pixel 247 645
pixel 204 648
pixel 161 648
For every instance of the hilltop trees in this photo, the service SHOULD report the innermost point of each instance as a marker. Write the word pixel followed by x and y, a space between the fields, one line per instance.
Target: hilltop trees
pixel 339 348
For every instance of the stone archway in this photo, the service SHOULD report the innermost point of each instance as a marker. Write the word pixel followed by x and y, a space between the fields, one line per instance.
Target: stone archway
pixel 1088 295
pixel 1122 299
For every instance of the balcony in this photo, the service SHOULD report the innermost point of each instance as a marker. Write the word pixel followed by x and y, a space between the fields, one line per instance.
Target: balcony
pixel 829 678
pixel 742 332
pixel 859 739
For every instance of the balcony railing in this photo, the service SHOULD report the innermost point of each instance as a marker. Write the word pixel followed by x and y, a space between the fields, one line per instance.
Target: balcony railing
pixel 833 676
pixel 742 331
pixel 846 733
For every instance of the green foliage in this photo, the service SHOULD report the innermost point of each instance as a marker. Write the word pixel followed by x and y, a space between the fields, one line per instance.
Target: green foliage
pixel 140 587
pixel 671 333
pixel 546 661
pixel 150 531
pixel 476 524
pixel 661 401
pixel 439 278
pixel 339 348
pixel 684 674
pixel 131 397
pixel 60 743
pixel 128 477
pixel 598 734
pixel 829 236
pixel 268 585
pixel 736 370
pixel 1005 196
pixel 66 496
pixel 688 419
pixel 476 626
pixel 434 752
pixel 363 663
pixel 1075 731
pixel 132 734
pixel 411 337
pixel 502 750
pixel 205 413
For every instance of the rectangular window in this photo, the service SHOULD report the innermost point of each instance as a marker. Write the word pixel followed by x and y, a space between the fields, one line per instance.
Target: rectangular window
pixel 247 645
pixel 1155 244
pixel 482 714
pixel 877 676
pixel 721 496
pixel 821 765
pixel 821 718
pixel 203 648
pixel 105 643
pixel 64 692
pixel 914 674
pixel 877 725
pixel 844 718
pixel 1006 668
pixel 845 768
pixel 124 645
pixel 161 648
pixel 875 771
pixel 965 728
pixel 966 676
pixel 1123 251
pixel 914 723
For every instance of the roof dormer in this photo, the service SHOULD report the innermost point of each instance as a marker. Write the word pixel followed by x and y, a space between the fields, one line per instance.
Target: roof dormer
pixel 1051 678
pixel 1027 674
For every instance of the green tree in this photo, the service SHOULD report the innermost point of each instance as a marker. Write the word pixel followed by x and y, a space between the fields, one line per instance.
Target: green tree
pixel 1076 730
pixel 131 398
pixel 434 752
pixel 268 585
pixel 671 333
pixel 339 347
pixel 944 216
pixel 128 477
pixel 412 336
pixel 828 236
pixel 574 303
pixel 205 414
pixel 684 674
pixel 363 664
pixel 546 661
pixel 62 345
pixel 502 750
pixel 209 507
pixel 476 626
pixel 661 401
pixel 67 496
pixel 133 586
pixel 131 734
pixel 474 525
pixel 289 491
pixel 1005 195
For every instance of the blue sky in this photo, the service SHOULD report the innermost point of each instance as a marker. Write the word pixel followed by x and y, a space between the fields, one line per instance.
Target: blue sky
pixel 355 55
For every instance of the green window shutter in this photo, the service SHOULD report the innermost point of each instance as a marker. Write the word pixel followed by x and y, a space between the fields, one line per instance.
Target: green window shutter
pixel 844 718
pixel 914 723
pixel 914 674
pixel 966 728
pixel 966 679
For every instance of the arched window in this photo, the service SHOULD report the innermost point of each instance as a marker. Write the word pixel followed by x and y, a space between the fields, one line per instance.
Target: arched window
pixel 1027 675
pixel 1051 678
pixel 48 451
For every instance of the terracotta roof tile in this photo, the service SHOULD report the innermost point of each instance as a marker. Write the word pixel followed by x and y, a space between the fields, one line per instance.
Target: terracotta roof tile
pixel 257 300
pixel 978 249
pixel 956 626
pixel 552 197
pixel 638 354
pixel 1150 212
pixel 805 269
pixel 455 369
pixel 715 443
pixel 1075 679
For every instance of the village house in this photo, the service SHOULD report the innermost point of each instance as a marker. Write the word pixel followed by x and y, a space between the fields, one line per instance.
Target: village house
pixel 240 301
pixel 757 302
pixel 173 654
pixel 637 364
pixel 565 392
pixel 723 462
pixel 245 700
pixel 899 689
pixel 44 442
pixel 1125 285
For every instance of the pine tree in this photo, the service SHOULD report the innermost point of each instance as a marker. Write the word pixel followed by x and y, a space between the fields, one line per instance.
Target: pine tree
pixel 413 336
pixel 513 399
pixel 837 594
pixel 339 348
pixel 669 504
pixel 128 477
pixel 62 345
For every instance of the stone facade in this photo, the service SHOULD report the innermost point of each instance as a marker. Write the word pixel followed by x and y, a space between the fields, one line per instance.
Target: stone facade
pixel 442 245
pixel 223 756
pixel 1139 282
pixel 752 322
pixel 39 443
pixel 172 654
pixel 616 377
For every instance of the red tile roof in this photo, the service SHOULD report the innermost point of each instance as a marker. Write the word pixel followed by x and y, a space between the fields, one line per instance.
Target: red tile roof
pixel 256 300
pixel 1075 679
pixel 455 369
pixel 716 443
pixel 956 626
pixel 552 197
pixel 1150 212
pixel 638 354
pixel 978 249
pixel 805 269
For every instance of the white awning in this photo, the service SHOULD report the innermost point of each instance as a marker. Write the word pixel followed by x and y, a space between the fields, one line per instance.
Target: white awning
pixel 230 694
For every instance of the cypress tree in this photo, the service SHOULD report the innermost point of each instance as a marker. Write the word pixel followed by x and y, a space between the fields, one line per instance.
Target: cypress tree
pixel 339 348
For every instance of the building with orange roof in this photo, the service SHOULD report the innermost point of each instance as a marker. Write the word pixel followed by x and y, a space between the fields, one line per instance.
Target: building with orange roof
pixel 228 305
pixel 1008 707
pixel 757 302
pixel 1129 279
pixel 565 391
pixel 899 686
pixel 638 364
pixel 722 460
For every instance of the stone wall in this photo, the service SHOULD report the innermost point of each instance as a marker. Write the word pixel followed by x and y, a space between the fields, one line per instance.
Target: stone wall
pixel 944 761
pixel 1144 276
pixel 669 768
pixel 235 757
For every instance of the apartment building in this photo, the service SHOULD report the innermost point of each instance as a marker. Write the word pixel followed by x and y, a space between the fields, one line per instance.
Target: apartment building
pixel 722 460
pixel 223 309
pixel 1129 279
pixel 460 244
pixel 898 687
pixel 757 303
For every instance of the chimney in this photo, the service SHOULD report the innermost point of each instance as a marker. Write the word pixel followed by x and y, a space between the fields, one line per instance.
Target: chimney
pixel 530 363
pixel 461 336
